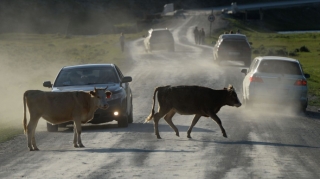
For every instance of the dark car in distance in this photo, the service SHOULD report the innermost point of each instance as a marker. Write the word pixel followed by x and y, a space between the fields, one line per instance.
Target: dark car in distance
pixel 88 76
pixel 159 39
pixel 232 47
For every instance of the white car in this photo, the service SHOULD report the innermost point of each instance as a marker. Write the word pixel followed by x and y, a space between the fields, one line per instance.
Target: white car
pixel 274 79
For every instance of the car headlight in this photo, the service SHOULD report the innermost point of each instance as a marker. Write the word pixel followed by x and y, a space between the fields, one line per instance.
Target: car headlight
pixel 116 95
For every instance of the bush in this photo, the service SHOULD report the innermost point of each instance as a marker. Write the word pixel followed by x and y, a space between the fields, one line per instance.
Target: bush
pixel 304 49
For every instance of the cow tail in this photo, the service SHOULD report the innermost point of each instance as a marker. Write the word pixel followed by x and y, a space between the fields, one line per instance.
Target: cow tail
pixel 150 117
pixel 24 112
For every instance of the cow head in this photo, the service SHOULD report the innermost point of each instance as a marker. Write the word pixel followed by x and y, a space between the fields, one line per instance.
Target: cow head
pixel 232 97
pixel 101 94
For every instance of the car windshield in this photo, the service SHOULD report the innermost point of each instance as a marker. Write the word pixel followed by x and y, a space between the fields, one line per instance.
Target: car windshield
pixel 279 67
pixel 86 76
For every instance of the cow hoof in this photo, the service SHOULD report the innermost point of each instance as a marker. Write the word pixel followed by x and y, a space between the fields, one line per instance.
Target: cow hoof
pixel 81 146
pixel 178 135
pixel 75 146
pixel 35 149
pixel 31 150
pixel 225 135
pixel 158 137
pixel 189 137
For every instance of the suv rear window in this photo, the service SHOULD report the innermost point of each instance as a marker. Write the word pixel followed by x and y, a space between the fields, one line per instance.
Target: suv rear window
pixel 161 35
pixel 279 67
pixel 234 43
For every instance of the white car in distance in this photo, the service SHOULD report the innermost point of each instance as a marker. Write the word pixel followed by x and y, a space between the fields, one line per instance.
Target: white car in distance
pixel 275 80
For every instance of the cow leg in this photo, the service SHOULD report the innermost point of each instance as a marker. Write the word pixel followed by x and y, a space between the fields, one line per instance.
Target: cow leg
pixel 77 135
pixel 218 121
pixel 194 122
pixel 31 127
pixel 33 140
pixel 157 116
pixel 168 119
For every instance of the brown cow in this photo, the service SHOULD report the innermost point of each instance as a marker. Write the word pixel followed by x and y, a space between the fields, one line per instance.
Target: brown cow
pixel 189 100
pixel 60 107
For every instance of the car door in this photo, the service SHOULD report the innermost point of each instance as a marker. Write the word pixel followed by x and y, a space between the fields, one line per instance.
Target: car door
pixel 127 89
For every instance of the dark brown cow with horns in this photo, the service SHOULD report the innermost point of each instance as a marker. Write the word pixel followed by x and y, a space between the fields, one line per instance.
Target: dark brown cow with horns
pixel 191 100
pixel 60 107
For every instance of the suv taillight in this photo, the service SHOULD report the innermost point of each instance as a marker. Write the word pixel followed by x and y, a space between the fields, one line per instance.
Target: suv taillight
pixel 301 83
pixel 255 79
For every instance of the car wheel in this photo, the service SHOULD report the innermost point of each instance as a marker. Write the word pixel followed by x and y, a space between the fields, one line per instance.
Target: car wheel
pixel 52 128
pixel 302 109
pixel 123 122
pixel 130 116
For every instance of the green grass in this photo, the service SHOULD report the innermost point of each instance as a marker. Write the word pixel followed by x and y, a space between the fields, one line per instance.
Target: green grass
pixel 265 41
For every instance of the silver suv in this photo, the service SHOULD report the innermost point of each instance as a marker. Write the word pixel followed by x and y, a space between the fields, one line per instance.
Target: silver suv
pixel 232 47
pixel 159 39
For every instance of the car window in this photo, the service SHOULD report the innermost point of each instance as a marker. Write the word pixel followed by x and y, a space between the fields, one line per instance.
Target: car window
pixel 86 76
pixel 161 35
pixel 279 67
pixel 234 43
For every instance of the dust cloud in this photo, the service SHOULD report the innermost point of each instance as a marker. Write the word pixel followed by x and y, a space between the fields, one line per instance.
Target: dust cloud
pixel 28 52
pixel 16 77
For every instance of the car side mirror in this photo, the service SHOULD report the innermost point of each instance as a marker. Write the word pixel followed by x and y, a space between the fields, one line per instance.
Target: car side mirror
pixel 126 79
pixel 47 84
pixel 306 75
pixel 245 71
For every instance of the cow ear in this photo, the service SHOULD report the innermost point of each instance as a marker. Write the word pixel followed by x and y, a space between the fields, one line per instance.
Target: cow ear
pixel 93 93
pixel 230 87
pixel 108 94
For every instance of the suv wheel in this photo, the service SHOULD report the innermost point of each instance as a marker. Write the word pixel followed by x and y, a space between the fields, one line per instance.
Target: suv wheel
pixel 52 128
pixel 123 122
pixel 130 116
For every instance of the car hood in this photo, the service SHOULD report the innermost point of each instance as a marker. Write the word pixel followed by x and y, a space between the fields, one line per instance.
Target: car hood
pixel 87 88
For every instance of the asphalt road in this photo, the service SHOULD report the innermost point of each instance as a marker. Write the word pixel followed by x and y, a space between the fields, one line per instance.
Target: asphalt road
pixel 261 143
